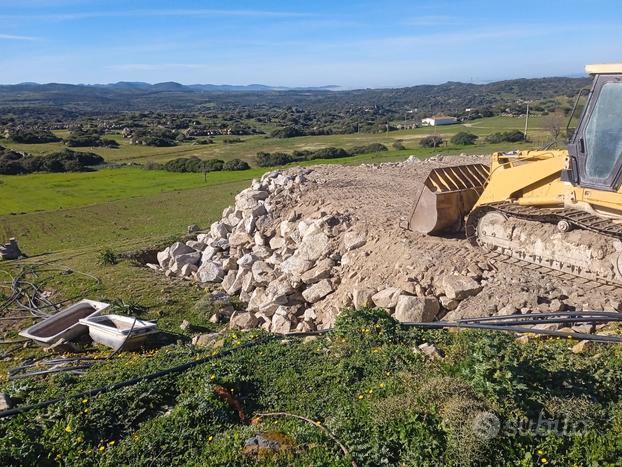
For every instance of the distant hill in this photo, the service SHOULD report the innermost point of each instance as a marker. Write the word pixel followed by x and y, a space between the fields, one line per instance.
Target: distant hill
pixel 166 86
pixel 452 97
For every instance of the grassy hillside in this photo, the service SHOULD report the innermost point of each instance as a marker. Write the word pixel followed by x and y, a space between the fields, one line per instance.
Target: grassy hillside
pixel 489 401
pixel 251 145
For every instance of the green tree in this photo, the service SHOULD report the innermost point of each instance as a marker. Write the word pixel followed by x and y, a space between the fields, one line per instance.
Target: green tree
pixel 431 142
pixel 463 138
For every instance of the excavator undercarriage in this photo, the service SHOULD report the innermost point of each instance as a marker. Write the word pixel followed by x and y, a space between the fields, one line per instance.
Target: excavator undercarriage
pixel 559 211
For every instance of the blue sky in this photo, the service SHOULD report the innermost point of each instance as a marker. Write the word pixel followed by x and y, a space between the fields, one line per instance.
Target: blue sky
pixel 353 44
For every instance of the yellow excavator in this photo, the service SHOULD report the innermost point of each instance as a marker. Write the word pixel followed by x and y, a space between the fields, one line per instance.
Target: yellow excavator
pixel 554 209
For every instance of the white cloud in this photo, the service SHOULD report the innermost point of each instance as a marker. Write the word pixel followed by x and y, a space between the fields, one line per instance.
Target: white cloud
pixel 156 66
pixel 157 12
pixel 12 37
pixel 430 21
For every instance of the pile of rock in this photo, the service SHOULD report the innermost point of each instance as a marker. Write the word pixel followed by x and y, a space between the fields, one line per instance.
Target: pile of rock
pixel 301 245
pixel 293 272
pixel 279 268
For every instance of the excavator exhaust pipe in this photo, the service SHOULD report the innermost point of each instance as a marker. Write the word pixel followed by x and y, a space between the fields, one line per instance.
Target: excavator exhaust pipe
pixel 448 195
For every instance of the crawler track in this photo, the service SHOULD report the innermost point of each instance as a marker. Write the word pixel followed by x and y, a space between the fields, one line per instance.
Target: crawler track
pixel 575 218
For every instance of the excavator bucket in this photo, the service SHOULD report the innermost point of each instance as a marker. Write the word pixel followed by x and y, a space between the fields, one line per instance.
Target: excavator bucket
pixel 448 195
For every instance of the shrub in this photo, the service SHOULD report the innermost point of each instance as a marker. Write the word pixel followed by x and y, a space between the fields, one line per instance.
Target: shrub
pixel 431 141
pixel 463 138
pixel 232 140
pixel 287 132
pixel 266 159
pixel 328 153
pixel 12 163
pixel 193 165
pixel 80 139
pixel 213 165
pixel 398 145
pixel 107 257
pixel 31 136
pixel 509 136
pixel 236 164
pixel 372 326
pixel 373 147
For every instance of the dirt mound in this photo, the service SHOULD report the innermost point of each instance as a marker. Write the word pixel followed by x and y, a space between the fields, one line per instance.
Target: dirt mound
pixel 301 244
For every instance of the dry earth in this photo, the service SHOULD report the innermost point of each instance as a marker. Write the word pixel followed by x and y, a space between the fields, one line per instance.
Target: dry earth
pixel 302 244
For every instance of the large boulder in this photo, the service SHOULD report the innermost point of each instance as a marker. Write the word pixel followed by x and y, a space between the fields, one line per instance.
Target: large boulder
pixel 219 230
pixel 164 258
pixel 460 287
pixel 196 245
pixel 243 320
pixel 317 291
pixel 281 324
pixel 262 272
pixel 188 258
pixel 314 246
pixel 296 266
pixel 208 253
pixel 178 249
pixel 322 270
pixel 257 299
pixel 416 309
pixel 362 297
pixel 210 271
pixel 387 298
pixel 354 239
pixel 239 239
pixel 278 290
pixel 232 283
pixel 277 243
pixel 188 270
pixel 246 261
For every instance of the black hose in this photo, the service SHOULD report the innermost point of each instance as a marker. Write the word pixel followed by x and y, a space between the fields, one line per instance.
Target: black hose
pixel 130 382
pixel 517 329
pixel 189 365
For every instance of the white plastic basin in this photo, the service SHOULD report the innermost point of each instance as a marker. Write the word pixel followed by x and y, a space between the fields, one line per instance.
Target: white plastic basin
pixel 65 324
pixel 113 330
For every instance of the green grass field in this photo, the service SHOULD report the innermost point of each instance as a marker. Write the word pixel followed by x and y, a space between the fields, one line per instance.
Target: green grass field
pixel 251 145
pixel 387 403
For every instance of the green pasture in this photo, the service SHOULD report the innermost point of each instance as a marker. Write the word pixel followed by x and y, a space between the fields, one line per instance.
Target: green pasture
pixel 251 145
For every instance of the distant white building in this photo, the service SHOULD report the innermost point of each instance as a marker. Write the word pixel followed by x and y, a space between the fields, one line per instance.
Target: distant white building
pixel 439 120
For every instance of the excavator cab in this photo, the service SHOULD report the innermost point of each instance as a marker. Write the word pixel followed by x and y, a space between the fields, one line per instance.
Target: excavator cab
pixel 595 152
pixel 593 161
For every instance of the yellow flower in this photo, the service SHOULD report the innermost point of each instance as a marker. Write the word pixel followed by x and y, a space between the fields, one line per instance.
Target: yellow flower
pixel 370 391
pixel 101 449
pixel 540 452
pixel 318 423
pixel 360 396
pixel 68 428
pixel 80 439
pixel 381 385
pixel 86 411
pixel 544 460
pixel 111 443
pixel 210 438
pixel 84 401
pixel 212 377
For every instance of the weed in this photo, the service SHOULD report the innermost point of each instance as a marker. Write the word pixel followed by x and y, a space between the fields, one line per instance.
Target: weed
pixel 107 257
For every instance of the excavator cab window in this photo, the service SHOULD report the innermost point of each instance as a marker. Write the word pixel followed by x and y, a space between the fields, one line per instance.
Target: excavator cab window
pixel 596 148
pixel 603 133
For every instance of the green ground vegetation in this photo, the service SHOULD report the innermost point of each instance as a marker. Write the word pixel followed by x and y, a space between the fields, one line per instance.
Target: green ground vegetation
pixel 384 401
pixel 251 145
